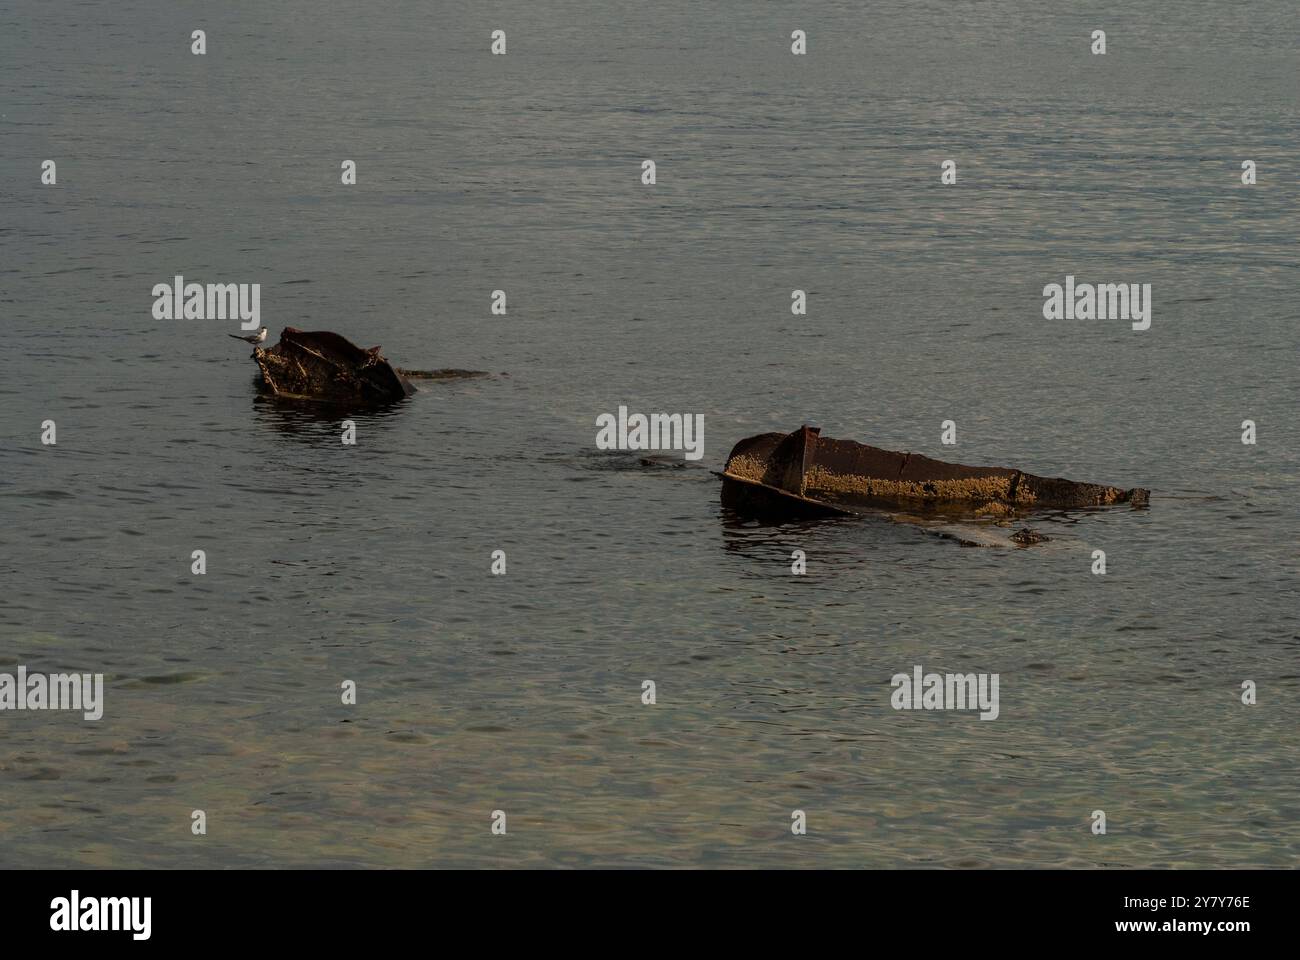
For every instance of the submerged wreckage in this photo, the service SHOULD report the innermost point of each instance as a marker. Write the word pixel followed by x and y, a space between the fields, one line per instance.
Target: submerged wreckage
pixel 805 474
pixel 326 366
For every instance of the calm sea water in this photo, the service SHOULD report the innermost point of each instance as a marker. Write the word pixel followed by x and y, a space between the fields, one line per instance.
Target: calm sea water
pixel 522 692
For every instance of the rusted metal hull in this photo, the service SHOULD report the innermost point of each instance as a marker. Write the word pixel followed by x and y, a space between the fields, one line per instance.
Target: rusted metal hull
pixel 806 473
pixel 325 366
pixel 755 500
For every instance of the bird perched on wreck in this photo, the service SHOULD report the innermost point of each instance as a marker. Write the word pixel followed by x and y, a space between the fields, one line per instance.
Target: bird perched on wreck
pixel 320 365
pixel 254 339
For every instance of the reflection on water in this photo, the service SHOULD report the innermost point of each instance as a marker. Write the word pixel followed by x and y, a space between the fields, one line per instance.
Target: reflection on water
pixel 311 422
pixel 371 562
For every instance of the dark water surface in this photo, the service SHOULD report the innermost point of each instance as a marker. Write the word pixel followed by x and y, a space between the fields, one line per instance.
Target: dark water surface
pixel 522 693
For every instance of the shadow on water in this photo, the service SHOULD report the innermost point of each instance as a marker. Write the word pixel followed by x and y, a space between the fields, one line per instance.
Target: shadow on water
pixel 741 531
pixel 308 420
pixel 746 530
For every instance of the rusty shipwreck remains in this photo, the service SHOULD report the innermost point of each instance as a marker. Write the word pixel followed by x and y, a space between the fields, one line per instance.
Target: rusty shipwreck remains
pixel 325 366
pixel 803 473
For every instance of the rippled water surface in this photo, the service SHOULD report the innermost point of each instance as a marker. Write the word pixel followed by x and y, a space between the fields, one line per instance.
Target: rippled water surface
pixel 522 692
